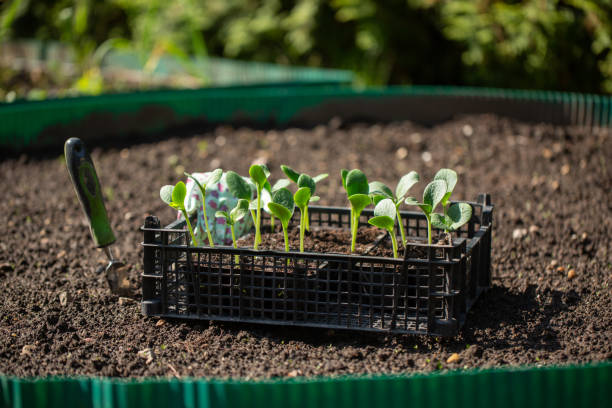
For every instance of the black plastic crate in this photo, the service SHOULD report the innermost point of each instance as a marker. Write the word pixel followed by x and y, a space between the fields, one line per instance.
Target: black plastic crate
pixel 429 295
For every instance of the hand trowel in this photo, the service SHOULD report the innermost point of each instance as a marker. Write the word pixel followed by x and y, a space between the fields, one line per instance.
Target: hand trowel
pixel 87 187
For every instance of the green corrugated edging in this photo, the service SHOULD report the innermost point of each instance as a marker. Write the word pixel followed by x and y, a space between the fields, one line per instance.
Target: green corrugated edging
pixel 554 387
pixel 43 123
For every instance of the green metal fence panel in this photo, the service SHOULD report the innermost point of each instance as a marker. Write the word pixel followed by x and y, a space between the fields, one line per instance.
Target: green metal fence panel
pixel 554 387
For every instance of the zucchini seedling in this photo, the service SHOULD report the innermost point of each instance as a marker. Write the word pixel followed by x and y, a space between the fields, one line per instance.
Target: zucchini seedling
pixel 450 178
pixel 384 217
pixel 453 215
pixel 379 191
pixel 280 183
pixel 174 196
pixel 282 206
pixel 213 178
pixel 355 183
pixel 259 175
pixel 305 181
pixel 457 215
pixel 240 188
pixel 433 194
pixel 302 198
pixel 236 214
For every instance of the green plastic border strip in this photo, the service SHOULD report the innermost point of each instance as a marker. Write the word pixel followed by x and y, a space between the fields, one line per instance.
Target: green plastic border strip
pixel 555 387
pixel 49 122
pixel 44 123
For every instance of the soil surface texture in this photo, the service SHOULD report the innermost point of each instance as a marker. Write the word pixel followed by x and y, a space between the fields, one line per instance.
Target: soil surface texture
pixel 322 239
pixel 550 303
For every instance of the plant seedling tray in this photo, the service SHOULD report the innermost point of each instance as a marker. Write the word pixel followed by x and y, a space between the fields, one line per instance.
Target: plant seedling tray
pixel 429 295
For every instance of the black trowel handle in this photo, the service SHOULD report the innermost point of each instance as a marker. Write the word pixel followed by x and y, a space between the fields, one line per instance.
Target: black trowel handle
pixel 85 181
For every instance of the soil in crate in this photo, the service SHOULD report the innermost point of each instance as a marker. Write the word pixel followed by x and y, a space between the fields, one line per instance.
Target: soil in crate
pixel 370 241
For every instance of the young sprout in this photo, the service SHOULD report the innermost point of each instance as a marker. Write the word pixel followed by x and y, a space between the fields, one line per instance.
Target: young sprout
pixel 282 206
pixel 453 217
pixel 433 194
pixel 379 191
pixel 457 215
pixel 306 181
pixel 450 177
pixel 212 179
pixel 174 196
pixel 236 214
pixel 281 183
pixel 240 188
pixel 384 217
pixel 356 185
pixel 259 175
pixel 302 198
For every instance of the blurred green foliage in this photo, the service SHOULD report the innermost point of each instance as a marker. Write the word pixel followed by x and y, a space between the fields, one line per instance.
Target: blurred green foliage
pixel 551 44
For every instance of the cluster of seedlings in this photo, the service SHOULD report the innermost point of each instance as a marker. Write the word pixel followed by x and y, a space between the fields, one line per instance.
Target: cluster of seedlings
pixel 281 202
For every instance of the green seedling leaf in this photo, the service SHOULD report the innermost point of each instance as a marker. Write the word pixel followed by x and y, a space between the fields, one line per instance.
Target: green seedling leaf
pixel 214 177
pixel 434 193
pixel 382 221
pixel 290 173
pixel 386 208
pixel 320 177
pixel 458 214
pixel 426 208
pixel 314 199
pixel 384 217
pixel 450 178
pixel 258 175
pixel 359 202
pixel 439 221
pixel 280 212
pixel 284 198
pixel 343 174
pixel 267 186
pixel 281 183
pixel 238 186
pixel 282 206
pixel 240 211
pixel 302 197
pixel 379 191
pixel 306 181
pixel 405 184
pixel 356 183
pixel 179 192
pixel 265 169
pixel 165 194
pixel 174 196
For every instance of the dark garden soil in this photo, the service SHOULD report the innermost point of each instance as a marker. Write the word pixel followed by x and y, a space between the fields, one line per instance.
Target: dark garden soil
pixel 550 303
pixel 321 239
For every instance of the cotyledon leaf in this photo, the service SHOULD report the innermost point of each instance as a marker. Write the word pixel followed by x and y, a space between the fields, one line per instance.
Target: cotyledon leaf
pixel 459 214
pixel 450 178
pixel 382 221
pixel 405 183
pixel 356 183
pixel 385 207
pixel 289 172
pixel 434 192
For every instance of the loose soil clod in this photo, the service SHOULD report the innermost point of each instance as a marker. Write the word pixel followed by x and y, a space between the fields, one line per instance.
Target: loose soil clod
pixel 532 315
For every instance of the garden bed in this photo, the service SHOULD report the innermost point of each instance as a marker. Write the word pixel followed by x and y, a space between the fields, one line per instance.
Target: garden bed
pixel 57 316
